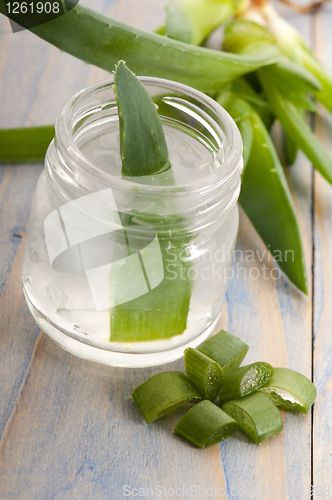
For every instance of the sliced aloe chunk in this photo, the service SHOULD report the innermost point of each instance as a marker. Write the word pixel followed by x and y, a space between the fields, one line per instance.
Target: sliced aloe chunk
pixel 257 416
pixel 162 394
pixel 204 373
pixel 244 380
pixel 290 390
pixel 206 424
pixel 228 351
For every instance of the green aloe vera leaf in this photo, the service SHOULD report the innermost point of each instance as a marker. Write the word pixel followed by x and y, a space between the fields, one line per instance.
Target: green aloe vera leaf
pixel 312 64
pixel 294 77
pixel 162 312
pixel 246 37
pixel 143 145
pixel 161 30
pixel 257 416
pixel 228 351
pixel 240 111
pixel 103 41
pixel 293 83
pixel 205 424
pixel 163 393
pixel 290 390
pixel 246 130
pixel 294 125
pixel 242 88
pixel 291 150
pixel 266 198
pixel 245 380
pixel 191 21
pixel 279 98
pixel 20 145
pixel 293 46
pixel 290 147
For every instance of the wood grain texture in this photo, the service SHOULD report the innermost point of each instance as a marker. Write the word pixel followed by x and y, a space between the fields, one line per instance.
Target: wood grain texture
pixel 69 428
pixel 322 421
pixel 50 78
pixel 18 334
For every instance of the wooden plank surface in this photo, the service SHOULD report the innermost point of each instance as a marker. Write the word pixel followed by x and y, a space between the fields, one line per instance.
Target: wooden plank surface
pixel 322 422
pixel 69 428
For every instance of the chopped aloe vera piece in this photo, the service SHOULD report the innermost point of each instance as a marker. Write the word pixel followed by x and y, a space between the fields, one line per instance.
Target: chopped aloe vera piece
pixel 204 373
pixel 290 390
pixel 162 312
pixel 257 416
pixel 206 424
pixel 244 380
pixel 162 394
pixel 228 351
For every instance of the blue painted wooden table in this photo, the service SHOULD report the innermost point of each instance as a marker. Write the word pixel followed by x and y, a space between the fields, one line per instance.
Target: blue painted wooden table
pixel 68 427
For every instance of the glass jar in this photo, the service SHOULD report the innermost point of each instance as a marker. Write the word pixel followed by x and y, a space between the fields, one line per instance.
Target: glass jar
pixel 131 271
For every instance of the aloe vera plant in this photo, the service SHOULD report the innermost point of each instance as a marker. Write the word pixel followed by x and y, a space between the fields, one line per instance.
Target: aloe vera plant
pixel 265 195
pixel 267 68
pixel 285 85
pixel 292 120
pixel 293 46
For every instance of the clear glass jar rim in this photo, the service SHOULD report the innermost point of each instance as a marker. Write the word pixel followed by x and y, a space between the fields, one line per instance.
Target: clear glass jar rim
pixel 68 147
